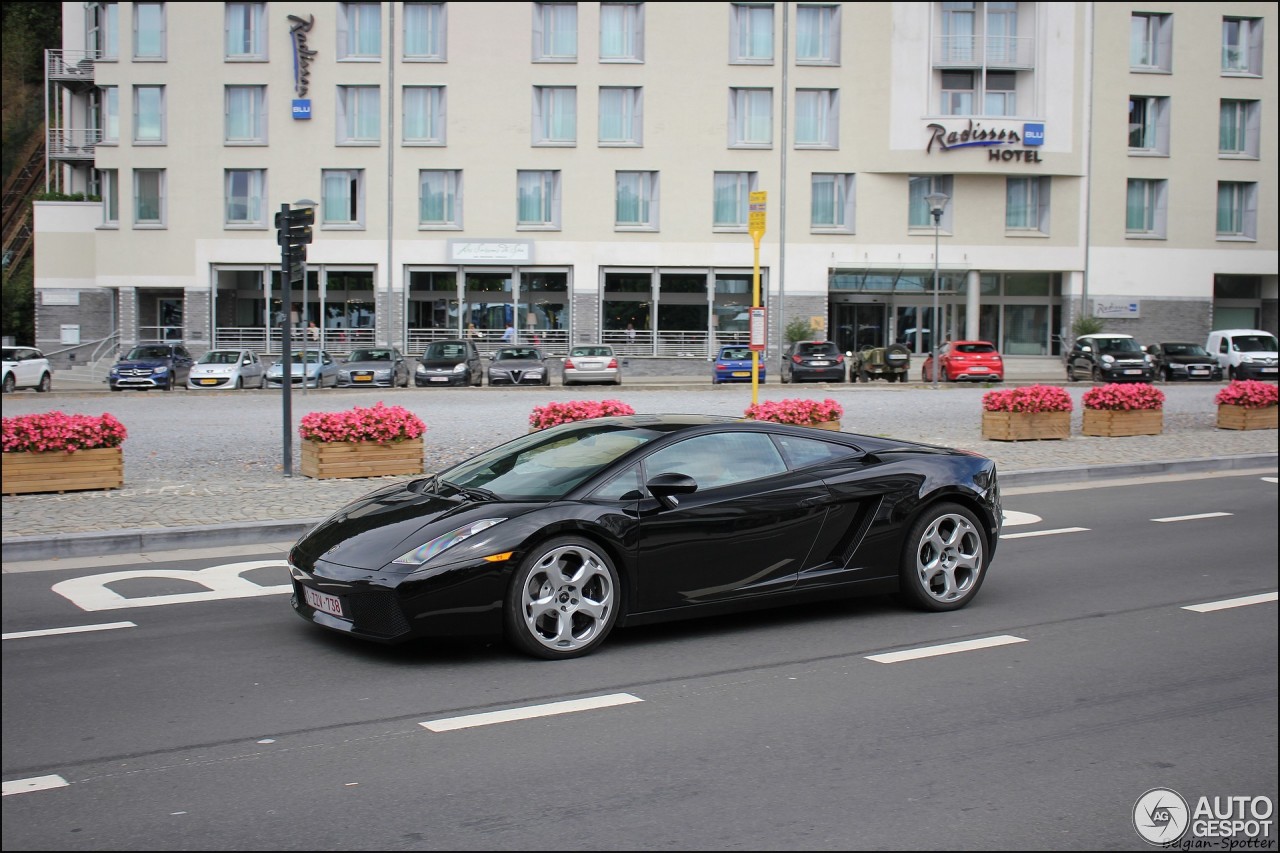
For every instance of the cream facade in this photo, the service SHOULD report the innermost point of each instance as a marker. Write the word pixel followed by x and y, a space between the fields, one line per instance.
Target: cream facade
pixel 575 168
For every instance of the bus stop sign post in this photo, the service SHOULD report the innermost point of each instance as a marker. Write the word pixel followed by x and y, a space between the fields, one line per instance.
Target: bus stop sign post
pixel 755 226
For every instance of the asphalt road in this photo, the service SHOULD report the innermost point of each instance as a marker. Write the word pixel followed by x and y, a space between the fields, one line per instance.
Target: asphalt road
pixel 231 724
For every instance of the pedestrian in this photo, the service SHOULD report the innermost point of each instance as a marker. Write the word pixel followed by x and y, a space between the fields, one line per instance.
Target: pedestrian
pixel 631 334
pixel 509 335
pixel 473 333
pixel 313 331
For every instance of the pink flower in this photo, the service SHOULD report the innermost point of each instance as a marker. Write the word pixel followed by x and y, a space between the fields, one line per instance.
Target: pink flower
pixel 380 424
pixel 553 414
pixel 795 411
pixel 1117 397
pixel 1249 393
pixel 57 432
pixel 1029 398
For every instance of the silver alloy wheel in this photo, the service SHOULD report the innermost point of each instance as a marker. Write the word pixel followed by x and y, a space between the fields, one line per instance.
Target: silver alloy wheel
pixel 567 598
pixel 948 560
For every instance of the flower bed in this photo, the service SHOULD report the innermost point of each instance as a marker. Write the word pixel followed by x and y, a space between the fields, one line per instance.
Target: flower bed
pixel 57 452
pixel 1029 413
pixel 1120 410
pixel 1247 404
pixel 825 414
pixel 554 414
pixel 362 442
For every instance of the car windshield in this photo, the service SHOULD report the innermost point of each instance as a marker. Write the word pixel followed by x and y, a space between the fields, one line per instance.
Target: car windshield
pixel 220 356
pixel 590 352
pixel 147 352
pixel 444 351
pixel 1253 343
pixel 975 348
pixel 516 353
pixel 1184 349
pixel 735 353
pixel 1119 345
pixel 370 355
pixel 311 356
pixel 816 348
pixel 545 465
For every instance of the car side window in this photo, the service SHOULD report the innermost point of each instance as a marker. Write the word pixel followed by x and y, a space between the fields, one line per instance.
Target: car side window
pixel 718 460
pixel 626 486
pixel 803 452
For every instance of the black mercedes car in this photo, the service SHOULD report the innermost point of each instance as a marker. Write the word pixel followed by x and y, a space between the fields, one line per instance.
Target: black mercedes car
pixel 1183 360
pixel 558 536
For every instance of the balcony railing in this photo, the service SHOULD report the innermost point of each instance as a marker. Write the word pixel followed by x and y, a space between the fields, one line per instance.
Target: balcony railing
pixel 978 51
pixel 73 143
pixel 70 66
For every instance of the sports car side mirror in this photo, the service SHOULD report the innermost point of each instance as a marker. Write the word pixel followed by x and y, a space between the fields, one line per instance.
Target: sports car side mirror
pixel 665 487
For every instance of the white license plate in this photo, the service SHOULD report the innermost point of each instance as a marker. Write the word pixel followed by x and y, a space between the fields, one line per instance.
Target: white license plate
pixel 977 368
pixel 328 603
pixel 439 378
pixel 819 363
pixel 1199 370
pixel 1270 369
pixel 1133 373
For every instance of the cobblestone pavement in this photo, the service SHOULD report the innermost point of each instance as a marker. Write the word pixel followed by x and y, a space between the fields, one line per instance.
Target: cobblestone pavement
pixel 207 459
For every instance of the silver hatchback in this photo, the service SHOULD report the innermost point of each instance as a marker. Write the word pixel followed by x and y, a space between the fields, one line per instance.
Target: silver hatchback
pixel 592 363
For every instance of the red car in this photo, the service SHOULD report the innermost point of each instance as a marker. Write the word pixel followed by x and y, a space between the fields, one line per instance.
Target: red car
pixel 976 360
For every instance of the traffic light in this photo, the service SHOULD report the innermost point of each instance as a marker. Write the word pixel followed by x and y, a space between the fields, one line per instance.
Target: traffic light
pixel 293 235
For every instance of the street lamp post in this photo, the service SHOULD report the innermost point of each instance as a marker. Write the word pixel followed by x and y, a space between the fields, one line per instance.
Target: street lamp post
pixel 937 203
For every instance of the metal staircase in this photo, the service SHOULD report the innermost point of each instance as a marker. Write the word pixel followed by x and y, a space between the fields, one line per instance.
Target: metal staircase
pixel 19 189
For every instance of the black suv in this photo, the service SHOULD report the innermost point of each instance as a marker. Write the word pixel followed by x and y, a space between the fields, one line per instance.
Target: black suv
pixel 449 362
pixel 820 361
pixel 1107 357
pixel 153 365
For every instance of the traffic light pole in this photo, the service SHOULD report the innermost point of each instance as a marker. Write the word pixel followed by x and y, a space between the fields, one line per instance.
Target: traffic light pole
pixel 286 347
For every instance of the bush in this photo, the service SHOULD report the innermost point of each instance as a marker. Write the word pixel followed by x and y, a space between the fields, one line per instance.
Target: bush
pixel 54 432
pixel 798 330
pixel 800 412
pixel 1249 393
pixel 1030 398
pixel 1117 397
pixel 379 423
pixel 553 414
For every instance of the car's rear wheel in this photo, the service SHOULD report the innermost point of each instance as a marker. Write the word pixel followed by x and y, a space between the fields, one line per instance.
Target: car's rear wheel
pixel 944 558
pixel 1097 374
pixel 10 384
pixel 563 599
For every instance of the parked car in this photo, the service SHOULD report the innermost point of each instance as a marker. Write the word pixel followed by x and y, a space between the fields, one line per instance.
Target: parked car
pixel 1108 357
pixel 891 363
pixel 1183 360
pixel 310 369
pixel 733 364
pixel 519 366
pixel 556 537
pixel 26 367
pixel 593 363
pixel 151 365
pixel 1244 353
pixel 380 367
pixel 820 361
pixel 227 368
pixel 977 360
pixel 449 362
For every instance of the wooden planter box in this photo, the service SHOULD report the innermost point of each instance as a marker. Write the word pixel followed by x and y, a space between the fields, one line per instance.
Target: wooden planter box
pixel 329 460
pixel 1131 422
pixel 831 425
pixel 30 473
pixel 1238 417
pixel 1025 426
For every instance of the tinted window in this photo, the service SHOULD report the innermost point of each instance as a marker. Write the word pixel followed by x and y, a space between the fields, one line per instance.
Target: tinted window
pixel 803 452
pixel 589 352
pixel 371 355
pixel 1254 343
pixel 10 354
pixel 510 354
pixel 825 348
pixel 1119 345
pixel 148 352
pixel 738 354
pixel 975 348
pixel 718 460
pixel 220 356
pixel 444 351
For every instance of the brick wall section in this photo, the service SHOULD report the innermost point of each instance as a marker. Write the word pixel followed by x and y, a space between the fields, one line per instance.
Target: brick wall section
pixel 586 314
pixel 196 322
pixel 94 315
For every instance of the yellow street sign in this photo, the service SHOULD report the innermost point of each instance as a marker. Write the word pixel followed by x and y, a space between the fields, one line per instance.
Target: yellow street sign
pixel 756 214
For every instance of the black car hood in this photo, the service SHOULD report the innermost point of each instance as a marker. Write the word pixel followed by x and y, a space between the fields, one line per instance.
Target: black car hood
pixel 373 530
pixel 1190 359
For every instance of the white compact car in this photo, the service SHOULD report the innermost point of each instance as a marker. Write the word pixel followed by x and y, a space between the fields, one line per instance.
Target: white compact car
pixel 227 368
pixel 26 367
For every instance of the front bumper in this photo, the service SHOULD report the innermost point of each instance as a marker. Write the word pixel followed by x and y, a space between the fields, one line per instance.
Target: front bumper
pixel 1257 371
pixel 139 381
pixel 1128 373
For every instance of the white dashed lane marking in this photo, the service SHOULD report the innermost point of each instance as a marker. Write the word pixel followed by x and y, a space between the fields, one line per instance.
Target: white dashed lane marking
pixel 529 712
pixel 74 629
pixel 1228 603
pixel 35 783
pixel 945 649
pixel 1195 517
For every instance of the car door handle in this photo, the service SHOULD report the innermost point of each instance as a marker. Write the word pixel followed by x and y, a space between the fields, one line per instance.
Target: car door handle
pixel 818 500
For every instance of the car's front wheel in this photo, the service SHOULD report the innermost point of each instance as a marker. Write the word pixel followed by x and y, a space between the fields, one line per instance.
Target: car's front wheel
pixel 10 384
pixel 46 384
pixel 944 558
pixel 563 599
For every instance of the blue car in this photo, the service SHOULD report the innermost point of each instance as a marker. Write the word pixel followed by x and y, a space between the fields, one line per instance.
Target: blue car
pixel 734 365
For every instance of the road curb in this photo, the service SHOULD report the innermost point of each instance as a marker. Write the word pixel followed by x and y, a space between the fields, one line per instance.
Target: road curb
pixel 144 540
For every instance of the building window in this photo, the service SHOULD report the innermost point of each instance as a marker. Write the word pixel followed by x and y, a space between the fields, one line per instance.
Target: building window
pixel 424 32
pixel 246 114
pixel 750 118
pixel 102 22
pixel 555 32
pixel 1150 42
pixel 1237 210
pixel 148 31
pixel 440 198
pixel 1145 208
pixel 751 33
pixel 1242 46
pixel 621 115
pixel 148 115
pixel 957 93
pixel 959 33
pixel 1027 205
pixel 919 215
pixel 246 27
pixel 424 115
pixel 995 91
pixel 817 118
pixel 358 122
pixel 636 201
pixel 831 209
pixel 343 202
pixel 732 194
pixel 538 199
pixel 622 32
pixel 1240 128
pixel 110 181
pixel 1148 125
pixel 109 120
pixel 359 30
pixel 246 193
pixel 148 197
pixel 817 34
pixel 1001 95
pixel 555 115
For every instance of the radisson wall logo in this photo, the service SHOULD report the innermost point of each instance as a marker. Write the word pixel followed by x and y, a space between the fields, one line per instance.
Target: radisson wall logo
pixel 302 55
pixel 996 139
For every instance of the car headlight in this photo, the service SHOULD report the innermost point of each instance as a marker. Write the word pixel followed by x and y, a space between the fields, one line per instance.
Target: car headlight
pixel 1146 359
pixel 1107 359
pixel 460 368
pixel 160 370
pixel 115 371
pixel 421 368
pixel 1246 359
pixel 444 542
pixel 383 374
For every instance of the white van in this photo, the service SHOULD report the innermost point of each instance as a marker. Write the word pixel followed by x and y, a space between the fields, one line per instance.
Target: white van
pixel 1244 353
